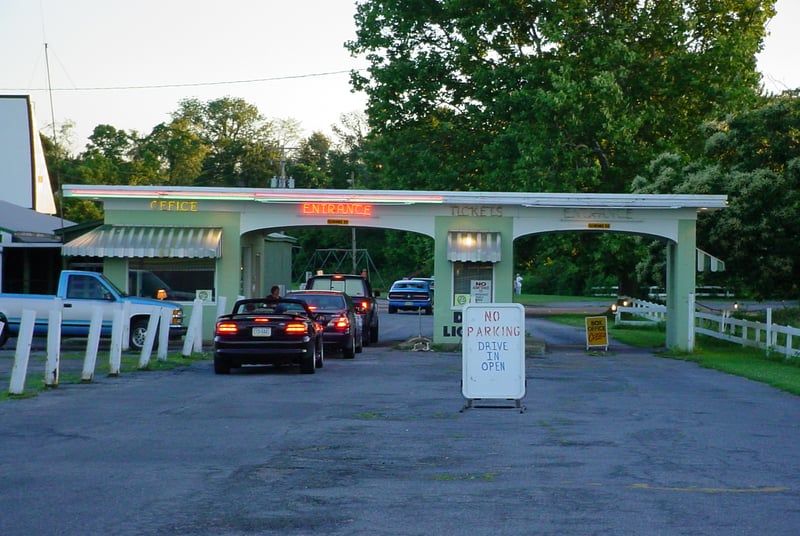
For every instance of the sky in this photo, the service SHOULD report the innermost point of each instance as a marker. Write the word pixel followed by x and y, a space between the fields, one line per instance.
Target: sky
pixel 129 64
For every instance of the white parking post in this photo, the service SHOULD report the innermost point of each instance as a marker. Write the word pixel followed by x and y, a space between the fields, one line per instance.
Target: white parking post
pixel 92 343
pixel 163 333
pixel 23 353
pixel 53 344
pixel 115 354
pixel 194 335
pixel 149 338
pixel 126 326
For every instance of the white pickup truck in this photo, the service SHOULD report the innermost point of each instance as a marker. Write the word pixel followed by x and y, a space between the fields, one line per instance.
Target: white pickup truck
pixel 81 292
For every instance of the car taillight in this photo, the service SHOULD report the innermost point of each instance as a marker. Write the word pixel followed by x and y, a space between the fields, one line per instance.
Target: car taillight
pixel 365 305
pixel 341 323
pixel 296 328
pixel 227 328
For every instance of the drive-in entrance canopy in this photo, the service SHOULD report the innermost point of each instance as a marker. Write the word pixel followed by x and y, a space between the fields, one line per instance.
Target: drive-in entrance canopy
pixel 473 232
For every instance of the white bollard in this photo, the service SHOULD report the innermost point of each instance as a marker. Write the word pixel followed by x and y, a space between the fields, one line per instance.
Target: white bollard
pixel 51 369
pixel 149 339
pixel 92 343
pixel 194 333
pixel 115 354
pixel 163 333
pixel 126 326
pixel 23 353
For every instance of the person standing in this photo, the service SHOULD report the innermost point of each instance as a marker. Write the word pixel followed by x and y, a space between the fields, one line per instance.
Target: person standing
pixel 518 284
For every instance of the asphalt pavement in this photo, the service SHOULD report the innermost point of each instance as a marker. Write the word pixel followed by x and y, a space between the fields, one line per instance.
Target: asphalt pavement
pixel 624 442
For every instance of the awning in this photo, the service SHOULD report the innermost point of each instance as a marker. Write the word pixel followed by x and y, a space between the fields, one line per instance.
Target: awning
pixel 147 241
pixel 473 246
pixel 707 261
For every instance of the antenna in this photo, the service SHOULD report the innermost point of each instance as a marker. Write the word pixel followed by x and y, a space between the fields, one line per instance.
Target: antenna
pixel 55 141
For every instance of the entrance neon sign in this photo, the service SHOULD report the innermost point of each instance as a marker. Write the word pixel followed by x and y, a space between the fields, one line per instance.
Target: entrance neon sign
pixel 336 209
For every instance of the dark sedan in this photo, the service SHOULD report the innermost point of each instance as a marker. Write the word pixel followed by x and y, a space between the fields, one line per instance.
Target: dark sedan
pixel 337 313
pixel 268 331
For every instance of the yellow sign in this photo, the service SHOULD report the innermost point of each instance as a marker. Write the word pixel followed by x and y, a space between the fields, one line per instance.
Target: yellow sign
pixel 596 331
pixel 460 300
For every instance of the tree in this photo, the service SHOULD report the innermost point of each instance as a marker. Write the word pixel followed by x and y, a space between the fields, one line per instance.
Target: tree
pixel 311 166
pixel 754 158
pixel 236 141
pixel 548 96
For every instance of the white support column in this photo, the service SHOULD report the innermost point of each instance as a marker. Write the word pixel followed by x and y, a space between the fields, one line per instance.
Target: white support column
pixel 681 265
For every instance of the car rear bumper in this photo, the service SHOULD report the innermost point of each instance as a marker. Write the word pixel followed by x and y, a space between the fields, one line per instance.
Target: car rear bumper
pixel 253 354
pixel 409 305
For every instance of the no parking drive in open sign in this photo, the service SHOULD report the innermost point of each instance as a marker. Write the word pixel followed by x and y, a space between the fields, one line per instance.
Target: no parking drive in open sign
pixel 493 351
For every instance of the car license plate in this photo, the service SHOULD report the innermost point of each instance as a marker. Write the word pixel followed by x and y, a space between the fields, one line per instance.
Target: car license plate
pixel 409 303
pixel 262 332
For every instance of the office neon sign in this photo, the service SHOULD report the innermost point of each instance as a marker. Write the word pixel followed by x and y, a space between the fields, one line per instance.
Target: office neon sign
pixel 336 209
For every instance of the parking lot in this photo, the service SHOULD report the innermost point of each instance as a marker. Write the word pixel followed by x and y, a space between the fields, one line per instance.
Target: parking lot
pixel 618 443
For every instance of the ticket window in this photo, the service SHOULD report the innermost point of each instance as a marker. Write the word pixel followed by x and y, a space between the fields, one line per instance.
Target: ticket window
pixel 473 282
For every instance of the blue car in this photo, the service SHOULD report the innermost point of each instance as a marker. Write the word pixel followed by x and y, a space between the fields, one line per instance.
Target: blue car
pixel 410 295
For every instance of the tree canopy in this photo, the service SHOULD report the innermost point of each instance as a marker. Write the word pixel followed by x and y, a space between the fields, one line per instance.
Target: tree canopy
pixel 754 158
pixel 548 96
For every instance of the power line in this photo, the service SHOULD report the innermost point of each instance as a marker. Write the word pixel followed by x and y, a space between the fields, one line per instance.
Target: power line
pixel 189 84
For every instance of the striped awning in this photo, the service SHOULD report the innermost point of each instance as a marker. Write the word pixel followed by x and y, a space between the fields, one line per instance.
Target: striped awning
pixel 134 241
pixel 707 261
pixel 473 246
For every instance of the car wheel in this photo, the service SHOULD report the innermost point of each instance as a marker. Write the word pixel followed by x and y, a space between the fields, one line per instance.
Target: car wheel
pixel 139 333
pixel 349 351
pixel 392 309
pixel 373 333
pixel 4 334
pixel 221 365
pixel 360 343
pixel 320 358
pixel 308 365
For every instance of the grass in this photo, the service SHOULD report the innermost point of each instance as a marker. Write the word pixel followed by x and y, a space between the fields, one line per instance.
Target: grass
pixel 731 358
pixel 71 365
pixel 534 299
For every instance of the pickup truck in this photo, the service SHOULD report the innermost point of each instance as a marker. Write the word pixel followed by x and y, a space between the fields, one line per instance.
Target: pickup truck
pixel 364 298
pixel 80 292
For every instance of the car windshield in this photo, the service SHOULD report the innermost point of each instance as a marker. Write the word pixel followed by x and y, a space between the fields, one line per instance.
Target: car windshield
pixel 267 307
pixel 352 286
pixel 413 285
pixel 322 302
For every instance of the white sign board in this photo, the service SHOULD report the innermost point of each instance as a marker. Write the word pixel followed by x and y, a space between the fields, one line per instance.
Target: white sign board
pixel 480 291
pixel 493 351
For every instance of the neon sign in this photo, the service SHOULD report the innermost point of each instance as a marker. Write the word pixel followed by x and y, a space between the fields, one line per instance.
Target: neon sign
pixel 173 206
pixel 336 209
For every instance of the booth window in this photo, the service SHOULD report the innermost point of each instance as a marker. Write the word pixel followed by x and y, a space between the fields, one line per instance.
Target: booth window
pixel 466 272
pixel 171 279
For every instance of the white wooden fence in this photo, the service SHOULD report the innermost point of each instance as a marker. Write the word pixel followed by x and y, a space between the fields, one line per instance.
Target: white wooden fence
pixel 767 335
pixel 647 312
pixel 159 316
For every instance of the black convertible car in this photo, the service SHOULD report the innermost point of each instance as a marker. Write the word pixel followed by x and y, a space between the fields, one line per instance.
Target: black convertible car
pixel 268 331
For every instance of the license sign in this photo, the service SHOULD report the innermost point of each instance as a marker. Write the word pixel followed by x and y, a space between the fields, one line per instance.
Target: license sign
pixel 262 332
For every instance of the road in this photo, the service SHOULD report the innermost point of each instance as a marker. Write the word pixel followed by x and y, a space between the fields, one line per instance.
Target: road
pixel 623 443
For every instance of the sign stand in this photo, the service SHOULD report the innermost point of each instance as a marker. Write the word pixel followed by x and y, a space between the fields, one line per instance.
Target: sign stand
pixel 596 332
pixel 493 354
